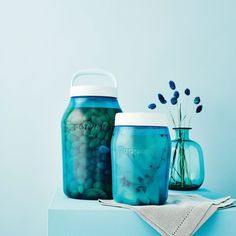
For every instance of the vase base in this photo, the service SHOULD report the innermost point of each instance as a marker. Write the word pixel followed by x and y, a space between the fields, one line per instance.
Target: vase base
pixel 178 186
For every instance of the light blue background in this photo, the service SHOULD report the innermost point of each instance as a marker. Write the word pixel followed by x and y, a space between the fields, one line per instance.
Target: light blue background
pixel 145 44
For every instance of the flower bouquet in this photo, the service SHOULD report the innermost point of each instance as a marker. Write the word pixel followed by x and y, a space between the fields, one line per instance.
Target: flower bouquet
pixel 187 166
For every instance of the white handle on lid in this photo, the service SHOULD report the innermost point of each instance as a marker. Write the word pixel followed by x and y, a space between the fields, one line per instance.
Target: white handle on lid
pixel 101 72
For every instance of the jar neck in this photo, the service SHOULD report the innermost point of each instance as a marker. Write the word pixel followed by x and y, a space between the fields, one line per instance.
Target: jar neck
pixel 92 98
pixel 182 133
pixel 94 101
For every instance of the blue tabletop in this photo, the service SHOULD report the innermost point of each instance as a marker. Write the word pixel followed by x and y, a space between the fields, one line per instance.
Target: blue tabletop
pixel 87 217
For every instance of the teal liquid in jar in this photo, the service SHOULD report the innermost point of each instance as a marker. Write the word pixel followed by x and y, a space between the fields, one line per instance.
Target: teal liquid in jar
pixel 140 160
pixel 87 126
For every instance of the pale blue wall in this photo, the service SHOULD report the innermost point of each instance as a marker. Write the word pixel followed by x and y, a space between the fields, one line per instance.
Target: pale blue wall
pixel 145 44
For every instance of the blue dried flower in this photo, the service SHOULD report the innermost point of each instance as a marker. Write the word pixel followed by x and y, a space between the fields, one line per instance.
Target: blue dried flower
pixel 197 100
pixel 199 109
pixel 172 85
pixel 152 106
pixel 173 100
pixel 176 94
pixel 187 91
pixel 161 98
pixel 103 149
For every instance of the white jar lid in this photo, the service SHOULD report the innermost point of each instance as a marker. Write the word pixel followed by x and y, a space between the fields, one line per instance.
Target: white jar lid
pixel 141 119
pixel 93 90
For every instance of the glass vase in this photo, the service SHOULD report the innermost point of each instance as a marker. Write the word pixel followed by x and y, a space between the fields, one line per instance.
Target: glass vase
pixel 187 166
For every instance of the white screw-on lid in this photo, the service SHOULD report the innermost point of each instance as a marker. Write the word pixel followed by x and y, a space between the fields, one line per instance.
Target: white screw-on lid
pixel 93 90
pixel 140 119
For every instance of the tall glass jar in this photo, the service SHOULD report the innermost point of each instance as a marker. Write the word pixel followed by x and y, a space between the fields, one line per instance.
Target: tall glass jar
pixel 141 150
pixel 87 127
pixel 187 165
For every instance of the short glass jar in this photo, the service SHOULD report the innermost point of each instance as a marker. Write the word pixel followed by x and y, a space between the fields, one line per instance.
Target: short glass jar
pixel 140 149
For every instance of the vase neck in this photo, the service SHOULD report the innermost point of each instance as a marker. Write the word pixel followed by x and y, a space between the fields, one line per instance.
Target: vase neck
pixel 182 133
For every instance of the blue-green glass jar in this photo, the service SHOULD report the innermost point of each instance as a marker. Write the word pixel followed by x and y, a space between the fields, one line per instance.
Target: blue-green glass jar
pixel 187 164
pixel 140 150
pixel 87 127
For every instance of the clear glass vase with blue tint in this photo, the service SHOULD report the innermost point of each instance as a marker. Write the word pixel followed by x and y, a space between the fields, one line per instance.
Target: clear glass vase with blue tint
pixel 87 127
pixel 187 165
pixel 141 150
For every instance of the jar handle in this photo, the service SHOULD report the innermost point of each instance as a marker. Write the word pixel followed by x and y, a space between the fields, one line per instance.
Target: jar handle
pixel 81 73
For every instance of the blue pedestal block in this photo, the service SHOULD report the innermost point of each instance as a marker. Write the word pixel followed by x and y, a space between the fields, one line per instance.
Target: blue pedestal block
pixel 70 217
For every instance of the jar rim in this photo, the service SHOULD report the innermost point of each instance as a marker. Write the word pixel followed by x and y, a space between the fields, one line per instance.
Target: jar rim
pixel 184 128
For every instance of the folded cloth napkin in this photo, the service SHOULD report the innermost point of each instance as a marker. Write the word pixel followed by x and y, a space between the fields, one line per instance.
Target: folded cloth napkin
pixel 182 215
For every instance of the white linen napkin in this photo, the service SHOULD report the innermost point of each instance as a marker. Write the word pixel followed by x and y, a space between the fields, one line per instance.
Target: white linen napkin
pixel 182 215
